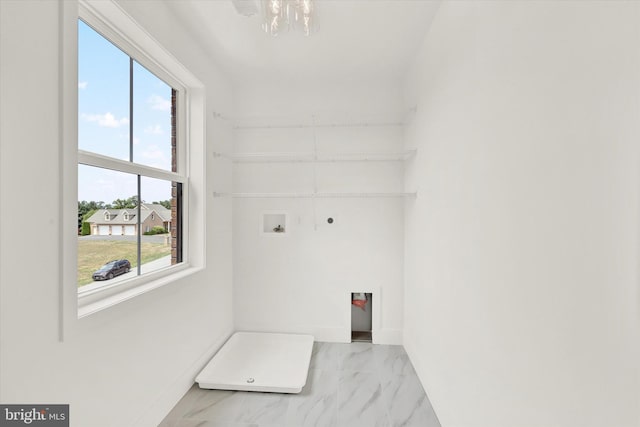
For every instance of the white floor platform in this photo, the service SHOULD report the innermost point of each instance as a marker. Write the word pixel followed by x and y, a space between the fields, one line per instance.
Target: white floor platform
pixel 267 362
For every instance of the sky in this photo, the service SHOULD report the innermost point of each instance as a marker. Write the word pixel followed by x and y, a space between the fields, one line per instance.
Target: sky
pixel 104 120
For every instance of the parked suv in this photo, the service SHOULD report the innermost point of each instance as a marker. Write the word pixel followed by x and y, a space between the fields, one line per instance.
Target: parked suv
pixel 112 269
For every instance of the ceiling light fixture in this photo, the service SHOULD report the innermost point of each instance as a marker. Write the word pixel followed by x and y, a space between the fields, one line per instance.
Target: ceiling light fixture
pixel 280 15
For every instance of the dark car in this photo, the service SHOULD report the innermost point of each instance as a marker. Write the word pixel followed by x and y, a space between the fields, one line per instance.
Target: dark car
pixel 112 269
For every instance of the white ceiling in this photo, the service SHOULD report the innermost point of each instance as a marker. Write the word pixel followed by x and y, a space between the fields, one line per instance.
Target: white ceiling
pixel 356 40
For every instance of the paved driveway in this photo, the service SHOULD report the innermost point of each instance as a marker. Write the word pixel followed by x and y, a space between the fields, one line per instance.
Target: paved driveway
pixel 156 238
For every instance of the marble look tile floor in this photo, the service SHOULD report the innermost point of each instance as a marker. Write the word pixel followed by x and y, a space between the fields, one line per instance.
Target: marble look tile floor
pixel 349 385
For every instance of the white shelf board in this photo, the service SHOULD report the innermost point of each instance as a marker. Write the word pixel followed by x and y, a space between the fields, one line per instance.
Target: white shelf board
pixel 316 195
pixel 310 157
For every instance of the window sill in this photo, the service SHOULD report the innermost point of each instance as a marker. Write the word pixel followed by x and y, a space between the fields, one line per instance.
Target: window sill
pixel 97 298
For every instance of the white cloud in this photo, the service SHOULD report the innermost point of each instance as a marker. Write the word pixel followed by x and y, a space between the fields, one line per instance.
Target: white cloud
pixel 159 103
pixel 82 85
pixel 125 136
pixel 153 152
pixel 155 157
pixel 106 120
pixel 154 130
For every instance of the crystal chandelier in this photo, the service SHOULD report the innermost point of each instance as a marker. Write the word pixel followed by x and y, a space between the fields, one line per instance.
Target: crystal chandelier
pixel 280 15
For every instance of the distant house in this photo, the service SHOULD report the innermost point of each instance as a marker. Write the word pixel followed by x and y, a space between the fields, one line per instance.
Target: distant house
pixel 124 222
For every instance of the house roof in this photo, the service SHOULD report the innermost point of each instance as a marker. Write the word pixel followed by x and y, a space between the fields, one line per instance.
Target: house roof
pixel 164 213
pixel 118 215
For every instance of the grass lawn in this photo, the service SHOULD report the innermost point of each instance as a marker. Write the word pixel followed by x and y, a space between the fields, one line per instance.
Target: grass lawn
pixel 93 254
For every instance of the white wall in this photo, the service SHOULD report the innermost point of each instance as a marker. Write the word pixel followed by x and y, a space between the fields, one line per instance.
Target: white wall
pixel 135 360
pixel 522 246
pixel 301 281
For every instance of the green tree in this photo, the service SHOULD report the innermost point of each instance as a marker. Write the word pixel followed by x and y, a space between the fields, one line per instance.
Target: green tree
pixel 129 203
pixel 86 229
pixel 86 209
pixel 88 214
pixel 165 203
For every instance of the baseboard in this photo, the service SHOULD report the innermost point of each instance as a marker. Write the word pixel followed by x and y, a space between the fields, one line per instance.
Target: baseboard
pixel 332 335
pixel 384 336
pixel 388 336
pixel 158 410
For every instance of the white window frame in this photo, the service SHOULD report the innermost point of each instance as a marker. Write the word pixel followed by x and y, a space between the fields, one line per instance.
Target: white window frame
pixel 108 18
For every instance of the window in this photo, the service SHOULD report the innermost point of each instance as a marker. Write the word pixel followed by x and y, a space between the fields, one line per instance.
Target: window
pixel 127 151
pixel 138 119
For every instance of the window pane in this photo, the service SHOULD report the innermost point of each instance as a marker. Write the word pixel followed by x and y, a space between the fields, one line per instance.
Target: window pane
pixel 151 119
pixel 103 95
pixel 155 217
pixel 107 212
pixel 128 224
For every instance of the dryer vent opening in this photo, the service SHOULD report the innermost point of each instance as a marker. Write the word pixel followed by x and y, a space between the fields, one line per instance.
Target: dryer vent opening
pixel 361 316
